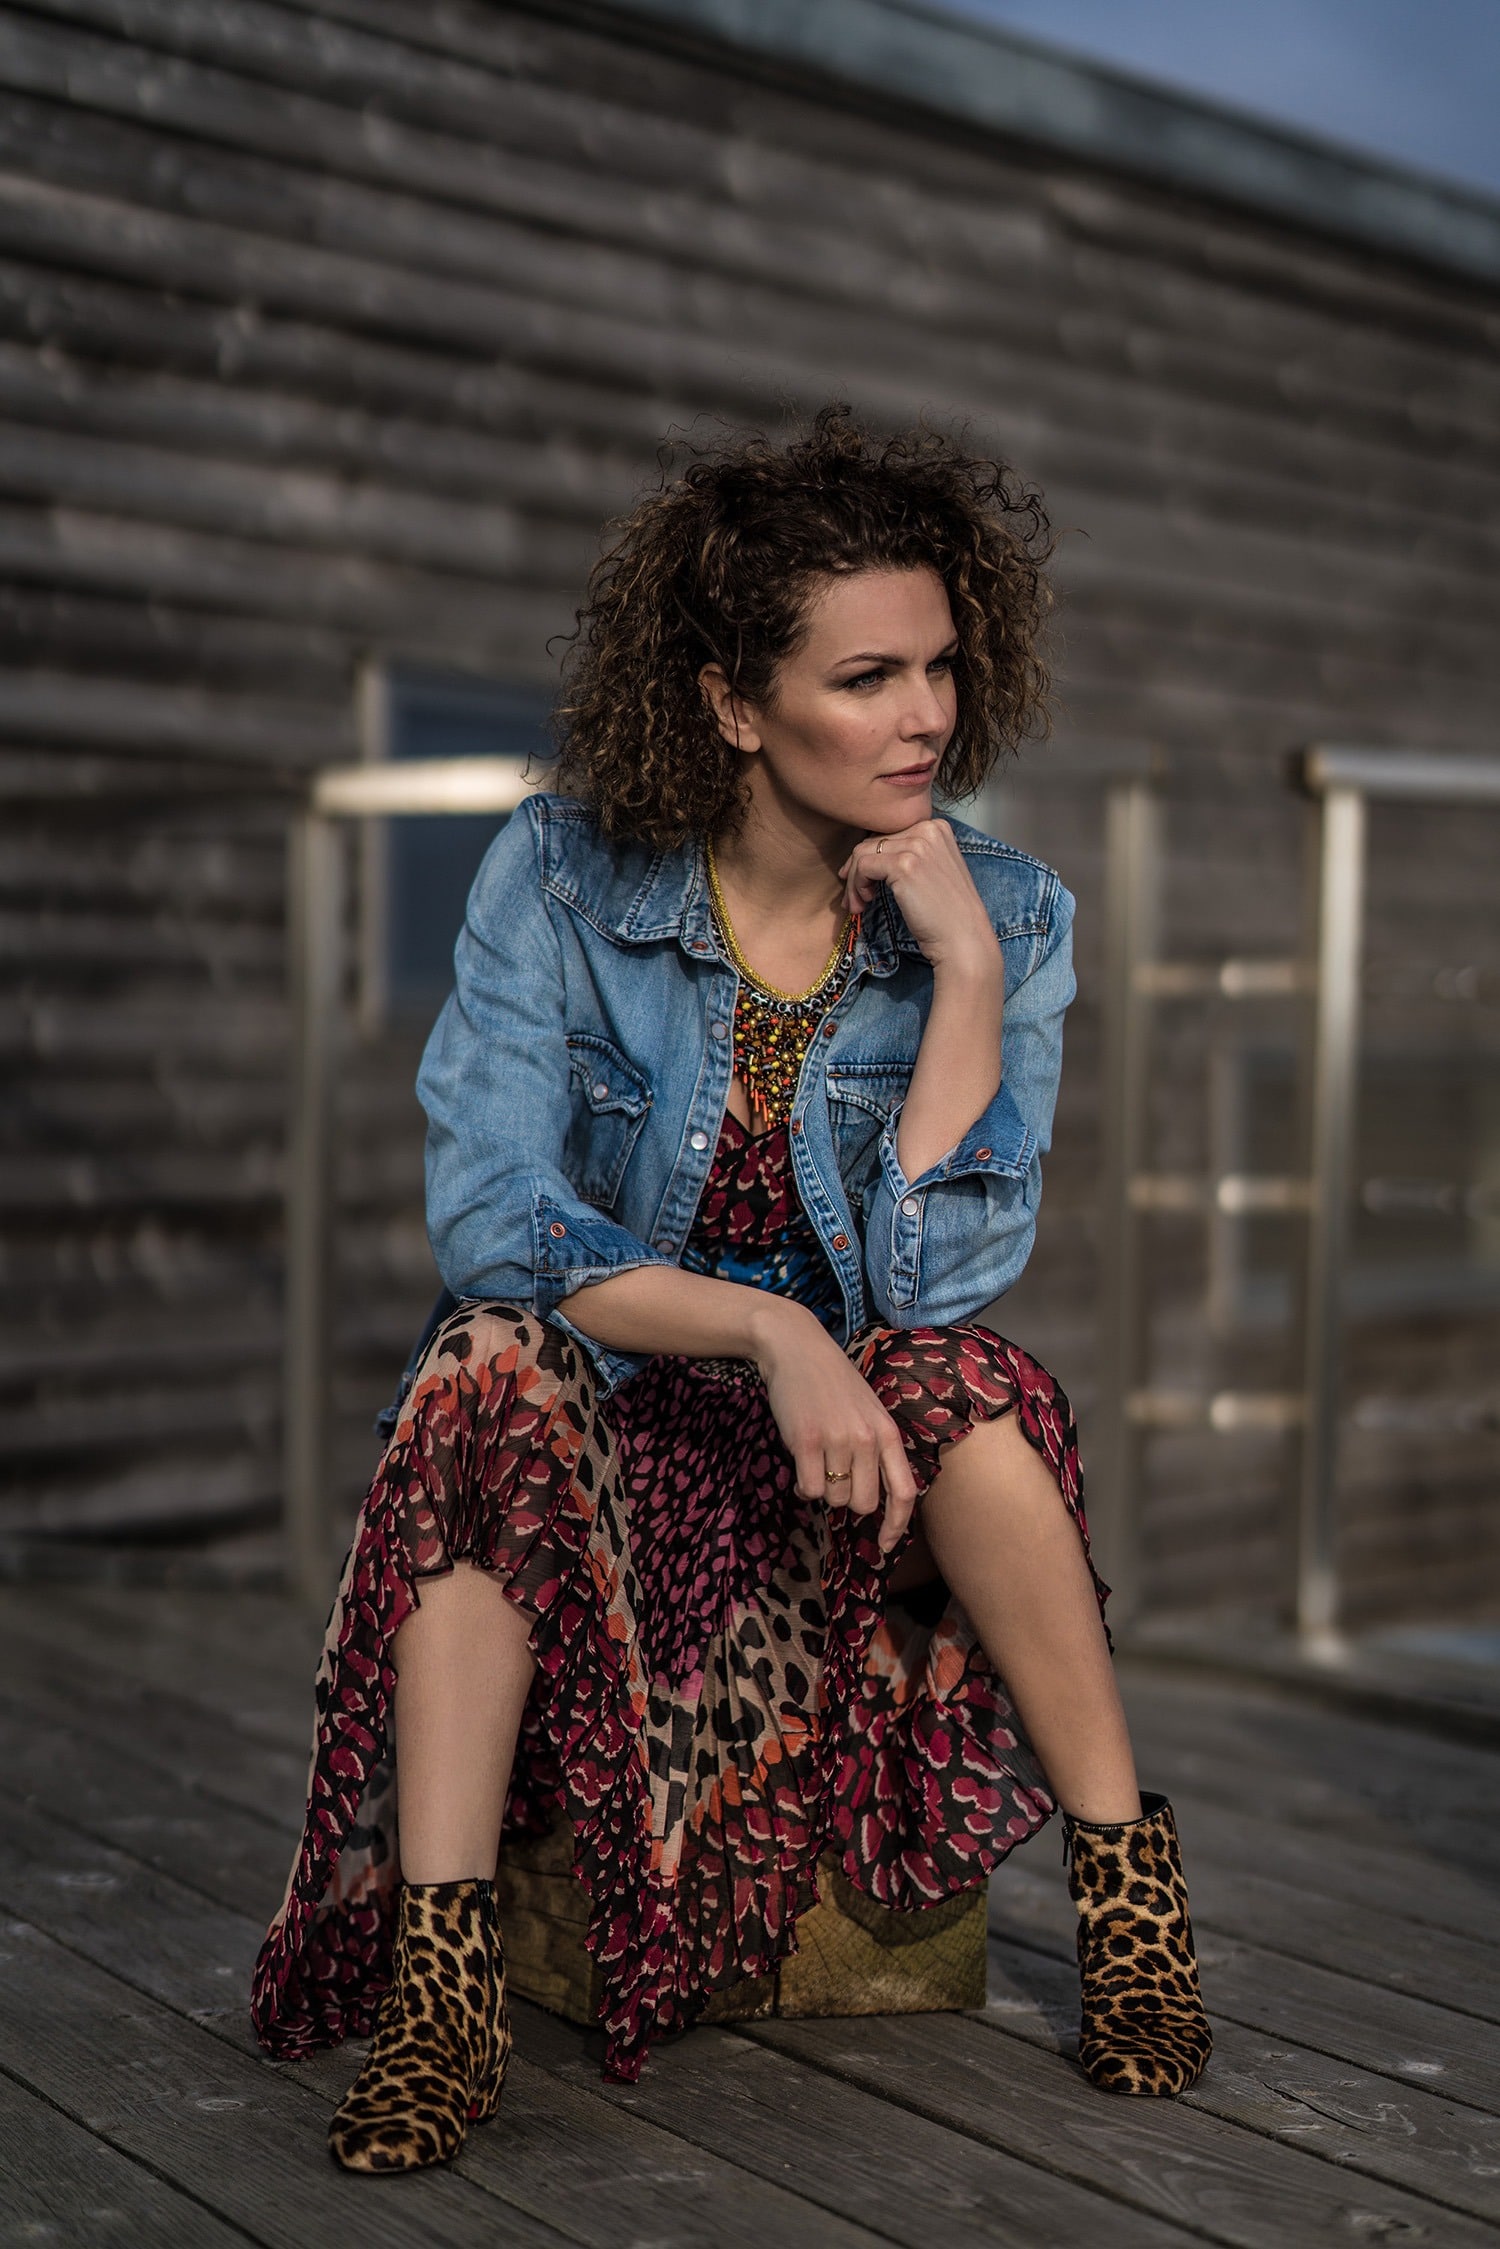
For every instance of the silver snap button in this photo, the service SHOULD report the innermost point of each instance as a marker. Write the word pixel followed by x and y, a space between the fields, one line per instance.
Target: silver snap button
pixel 601 1090
pixel 698 1140
pixel 662 1243
pixel 718 1030
pixel 910 1205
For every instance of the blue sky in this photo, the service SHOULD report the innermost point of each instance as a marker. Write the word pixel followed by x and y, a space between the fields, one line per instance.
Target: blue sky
pixel 1414 80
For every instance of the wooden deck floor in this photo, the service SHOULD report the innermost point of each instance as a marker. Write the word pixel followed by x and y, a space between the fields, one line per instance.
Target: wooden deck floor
pixel 1345 1876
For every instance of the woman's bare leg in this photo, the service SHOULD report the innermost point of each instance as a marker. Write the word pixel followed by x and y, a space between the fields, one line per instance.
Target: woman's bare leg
pixel 1004 1541
pixel 463 1668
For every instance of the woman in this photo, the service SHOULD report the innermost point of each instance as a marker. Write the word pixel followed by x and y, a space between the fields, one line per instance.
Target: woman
pixel 712 1521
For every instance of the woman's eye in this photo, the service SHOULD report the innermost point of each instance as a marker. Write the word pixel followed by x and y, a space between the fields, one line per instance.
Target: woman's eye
pixel 865 679
pixel 942 663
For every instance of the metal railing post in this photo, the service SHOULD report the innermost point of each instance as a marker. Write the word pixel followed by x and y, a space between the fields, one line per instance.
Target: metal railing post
pixel 1342 780
pixel 315 882
pixel 1334 1077
pixel 315 944
pixel 1132 861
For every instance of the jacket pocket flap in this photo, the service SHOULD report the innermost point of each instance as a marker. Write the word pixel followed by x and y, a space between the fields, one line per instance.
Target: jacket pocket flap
pixel 606 1080
pixel 877 1086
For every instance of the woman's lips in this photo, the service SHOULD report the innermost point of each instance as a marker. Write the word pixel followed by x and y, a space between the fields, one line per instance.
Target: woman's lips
pixel 910 776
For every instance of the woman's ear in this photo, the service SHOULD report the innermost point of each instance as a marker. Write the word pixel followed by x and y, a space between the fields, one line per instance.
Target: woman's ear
pixel 731 712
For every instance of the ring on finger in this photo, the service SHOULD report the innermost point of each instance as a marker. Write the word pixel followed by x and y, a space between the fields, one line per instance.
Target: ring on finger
pixel 880 847
pixel 837 1475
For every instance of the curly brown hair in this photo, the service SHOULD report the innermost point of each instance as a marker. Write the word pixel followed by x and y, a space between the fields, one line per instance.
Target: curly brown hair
pixel 720 565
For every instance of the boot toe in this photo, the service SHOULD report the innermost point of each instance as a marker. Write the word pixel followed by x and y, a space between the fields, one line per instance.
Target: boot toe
pixel 1159 2066
pixel 401 2141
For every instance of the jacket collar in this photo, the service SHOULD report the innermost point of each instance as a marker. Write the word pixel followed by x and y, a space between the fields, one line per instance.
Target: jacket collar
pixel 673 901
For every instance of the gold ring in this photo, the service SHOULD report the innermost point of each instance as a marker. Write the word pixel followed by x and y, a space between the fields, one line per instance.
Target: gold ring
pixel 837 1475
pixel 880 847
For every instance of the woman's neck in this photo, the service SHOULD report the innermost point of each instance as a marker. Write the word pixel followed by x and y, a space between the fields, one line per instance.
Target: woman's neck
pixel 779 882
pixel 784 860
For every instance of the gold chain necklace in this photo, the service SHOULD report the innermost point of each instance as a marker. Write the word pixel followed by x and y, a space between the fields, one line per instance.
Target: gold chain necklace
pixel 732 944
pixel 773 1029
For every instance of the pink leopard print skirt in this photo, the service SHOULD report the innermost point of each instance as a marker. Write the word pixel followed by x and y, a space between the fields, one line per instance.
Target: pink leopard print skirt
pixel 722 1692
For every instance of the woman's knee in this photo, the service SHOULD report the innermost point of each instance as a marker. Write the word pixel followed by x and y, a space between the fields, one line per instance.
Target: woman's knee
pixel 905 1355
pixel 933 1378
pixel 502 1337
pixel 485 1327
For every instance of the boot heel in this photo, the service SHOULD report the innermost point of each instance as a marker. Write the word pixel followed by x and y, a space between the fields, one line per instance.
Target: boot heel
pixel 486 2100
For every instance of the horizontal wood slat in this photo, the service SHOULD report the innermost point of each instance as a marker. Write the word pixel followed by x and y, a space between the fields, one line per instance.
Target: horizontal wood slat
pixel 330 333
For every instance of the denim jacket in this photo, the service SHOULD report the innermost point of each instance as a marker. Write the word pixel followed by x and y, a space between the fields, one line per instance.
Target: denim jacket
pixel 576 1080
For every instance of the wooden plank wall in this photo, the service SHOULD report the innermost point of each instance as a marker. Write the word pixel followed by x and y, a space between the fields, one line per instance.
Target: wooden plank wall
pixel 331 330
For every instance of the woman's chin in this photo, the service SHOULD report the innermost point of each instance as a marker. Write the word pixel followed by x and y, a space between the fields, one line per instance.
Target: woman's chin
pixel 898 807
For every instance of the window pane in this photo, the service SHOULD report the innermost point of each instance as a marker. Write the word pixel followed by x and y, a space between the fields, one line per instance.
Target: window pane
pixel 432 862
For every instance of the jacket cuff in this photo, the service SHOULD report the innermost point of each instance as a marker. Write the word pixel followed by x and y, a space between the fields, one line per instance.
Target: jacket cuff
pixel 572 1244
pixel 999 1145
pixel 612 1368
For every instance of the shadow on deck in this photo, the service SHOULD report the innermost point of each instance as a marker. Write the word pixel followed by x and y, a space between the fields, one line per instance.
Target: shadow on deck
pixel 1345 1876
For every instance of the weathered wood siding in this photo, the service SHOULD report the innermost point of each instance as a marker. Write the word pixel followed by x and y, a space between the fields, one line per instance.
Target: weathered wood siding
pixel 332 331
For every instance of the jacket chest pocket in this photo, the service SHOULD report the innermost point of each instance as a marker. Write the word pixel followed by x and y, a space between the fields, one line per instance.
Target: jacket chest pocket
pixel 861 1098
pixel 608 1100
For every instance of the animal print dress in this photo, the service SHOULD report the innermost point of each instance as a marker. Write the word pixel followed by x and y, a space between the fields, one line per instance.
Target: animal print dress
pixel 723 1690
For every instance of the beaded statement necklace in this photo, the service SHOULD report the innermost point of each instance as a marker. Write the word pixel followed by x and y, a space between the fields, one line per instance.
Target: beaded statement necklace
pixel 773 1029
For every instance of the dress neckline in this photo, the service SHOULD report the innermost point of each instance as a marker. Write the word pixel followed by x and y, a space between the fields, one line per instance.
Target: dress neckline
pixel 749 1138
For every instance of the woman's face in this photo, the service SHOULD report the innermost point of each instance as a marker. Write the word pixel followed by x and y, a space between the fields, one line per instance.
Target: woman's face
pixel 863 710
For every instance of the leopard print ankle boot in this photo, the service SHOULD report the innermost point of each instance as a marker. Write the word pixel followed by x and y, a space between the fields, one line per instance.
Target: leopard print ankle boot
pixel 442 2039
pixel 1143 2028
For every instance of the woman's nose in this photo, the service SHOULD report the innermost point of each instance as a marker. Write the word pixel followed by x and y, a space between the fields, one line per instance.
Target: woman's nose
pixel 926 714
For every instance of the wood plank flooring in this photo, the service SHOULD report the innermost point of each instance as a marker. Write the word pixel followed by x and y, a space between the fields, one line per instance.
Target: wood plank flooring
pixel 1346 1882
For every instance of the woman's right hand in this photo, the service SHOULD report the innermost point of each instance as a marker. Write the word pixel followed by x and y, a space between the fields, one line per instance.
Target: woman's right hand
pixel 827 1414
pixel 829 1417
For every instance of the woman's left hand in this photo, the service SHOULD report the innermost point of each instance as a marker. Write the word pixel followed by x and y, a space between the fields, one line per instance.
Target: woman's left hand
pixel 933 887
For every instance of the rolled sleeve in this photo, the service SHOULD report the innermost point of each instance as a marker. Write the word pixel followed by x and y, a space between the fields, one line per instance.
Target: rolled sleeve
pixel 573 1244
pixel 503 1218
pixel 940 1247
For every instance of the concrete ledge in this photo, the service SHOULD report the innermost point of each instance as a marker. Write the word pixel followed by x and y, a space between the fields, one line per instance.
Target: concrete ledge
pixel 1367 1677
pixel 252 1562
pixel 999 81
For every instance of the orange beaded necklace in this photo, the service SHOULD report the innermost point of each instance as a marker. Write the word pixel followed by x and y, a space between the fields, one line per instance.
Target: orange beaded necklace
pixel 773 1029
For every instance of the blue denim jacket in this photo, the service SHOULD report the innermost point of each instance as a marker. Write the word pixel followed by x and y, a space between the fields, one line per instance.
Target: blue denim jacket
pixel 577 1077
